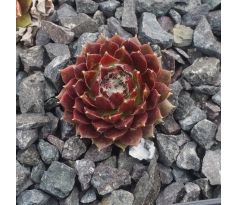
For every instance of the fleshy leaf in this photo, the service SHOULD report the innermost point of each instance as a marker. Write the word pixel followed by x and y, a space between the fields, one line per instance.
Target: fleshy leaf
pixel 86 131
pixel 23 21
pixel 132 137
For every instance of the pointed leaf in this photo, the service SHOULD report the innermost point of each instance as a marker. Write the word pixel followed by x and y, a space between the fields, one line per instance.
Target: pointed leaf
pixel 88 101
pixel 146 49
pixel 66 101
pixel 135 41
pixel 125 123
pixel 86 131
pixel 93 61
pixel 108 60
pixel 92 114
pixel 112 118
pixel 23 21
pixel 127 106
pixel 131 46
pixel 114 133
pixel 166 108
pixel 102 142
pixel 80 118
pixel 153 63
pixel 103 103
pixel 101 126
pixel 148 131
pixel 139 61
pixel 149 77
pixel 78 105
pixel 132 137
pixel 153 99
pixel 89 77
pixel 67 73
pixel 78 70
pixel 123 56
pixel 117 39
pixel 80 87
pixel 165 76
pixel 92 48
pixel 154 116
pixel 109 47
pixel 163 90
pixel 139 120
pixel 70 88
pixel 116 99
pixel 80 59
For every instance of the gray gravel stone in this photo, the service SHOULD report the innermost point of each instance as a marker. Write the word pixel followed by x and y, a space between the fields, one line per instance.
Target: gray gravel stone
pixel 217 98
pixel 194 117
pixel 175 16
pixel 192 192
pixel 137 171
pixel 203 71
pixel 176 89
pixel 106 179
pixel 57 33
pixel 111 161
pixel 33 196
pixel 52 70
pixel 193 16
pixel 204 133
pixel 50 91
pixel 129 20
pixel 118 197
pixel 171 194
pixel 212 110
pixel 214 19
pixel 188 158
pixel 73 148
pixel 150 30
pixel 88 197
pixel 181 175
pixel 51 127
pixel 85 169
pixel 211 166
pixel 114 26
pixel 82 40
pixel 31 93
pixel 29 156
pixel 31 120
pixel 58 180
pixel 168 149
pixel 65 10
pixel 170 57
pixel 103 29
pixel 72 199
pixel 20 76
pixel 18 60
pixel 109 7
pixel 22 178
pixel 166 23
pixel 48 152
pixel 148 187
pixel 86 6
pixel 95 155
pixel 166 176
pixel 79 24
pixel 186 6
pixel 118 13
pixel 170 126
pixel 126 162
pixel 204 39
pixel 99 18
pixel 32 58
pixel 218 134
pixel 206 89
pixel 56 49
pixel 37 172
pixel 70 2
pixel 183 36
pixel 205 187
pixel 67 130
pixel 180 139
pixel 212 3
pixel 56 142
pixel 25 138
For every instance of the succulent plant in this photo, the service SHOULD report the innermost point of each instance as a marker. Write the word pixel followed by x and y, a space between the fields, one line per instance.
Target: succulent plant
pixel 23 17
pixel 115 92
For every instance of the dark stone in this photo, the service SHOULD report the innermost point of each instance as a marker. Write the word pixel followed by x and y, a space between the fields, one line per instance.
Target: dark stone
pixel 31 120
pixel 205 187
pixel 82 40
pixel 126 162
pixel 111 161
pixel 51 103
pixel 57 33
pixel 175 16
pixel 25 138
pixel 33 196
pixel 204 133
pixel 193 17
pixel 214 19
pixel 79 24
pixel 171 194
pixel 48 152
pixel 69 2
pixel 42 38
pixel 174 55
pixel 50 91
pixel 181 175
pixel 51 127
pixel 86 6
pixel 185 6
pixel 182 52
pixel 56 49
pixel 29 157
pixel 211 166
pixel 32 58
pixel 65 10
pixel 129 20
pixel 56 142
pixel 165 173
pixel 52 71
pixel 106 179
pixel 194 53
pixel 170 126
pixel 192 192
pixel 204 40
pixel 118 197
pixel 72 199
pixel 168 149
pixel 137 171
pixel 37 172
pixel 58 180
pixel 212 110
pixel 150 30
pixel 85 169
pixel 203 71
pixel 180 139
pixel 95 155
pixel 118 13
pixel 166 23
pixel 176 89
pixel 89 196
pixel 217 98
pixel 187 158
pixel 212 3
pixel 73 148
pixel 148 187
pixel 99 18
pixel 206 89
pixel 20 76
pixel 218 134
pixel 109 7
pixel 18 59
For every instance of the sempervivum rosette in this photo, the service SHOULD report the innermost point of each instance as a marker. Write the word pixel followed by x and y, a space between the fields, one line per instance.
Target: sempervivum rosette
pixel 116 92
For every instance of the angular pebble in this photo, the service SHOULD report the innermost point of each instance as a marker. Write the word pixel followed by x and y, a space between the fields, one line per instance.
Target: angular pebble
pixel 85 169
pixel 86 6
pixel 206 89
pixel 56 142
pixel 211 166
pixel 165 173
pixel 99 18
pixel 138 171
pixel 88 197
pixel 175 16
pixel 214 19
pixel 58 180
pixel 25 138
pixel 42 38
pixel 111 161
pixel 151 31
pixel 126 162
pixel 33 196
pixel 19 78
pixel 217 98
pixel 192 192
pixel 65 10
pixel 170 126
pixel 57 33
pixel 168 149
pixel 109 7
pixel 48 152
pixel 37 172
pixel 56 49
pixel 95 155
pixel 29 157
pixel 212 3
pixel 204 40
pixel 118 197
pixel 205 187
pixel 52 70
pixel 188 158
pixel 181 175
pixel 166 23
pixel 203 71
pixel 183 36
pixel 106 179
pixel 204 133
pixel 72 199
pixel 51 127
